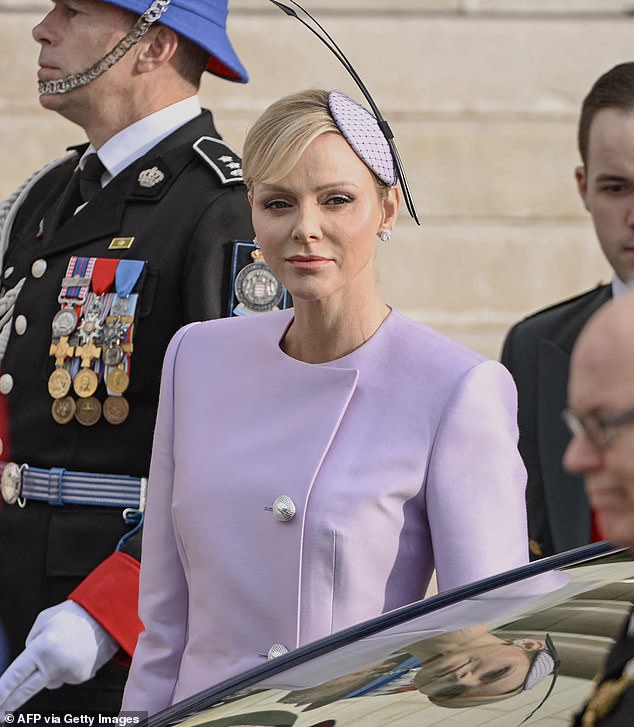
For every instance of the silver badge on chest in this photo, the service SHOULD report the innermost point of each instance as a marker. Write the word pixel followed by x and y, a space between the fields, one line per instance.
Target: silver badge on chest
pixel 257 289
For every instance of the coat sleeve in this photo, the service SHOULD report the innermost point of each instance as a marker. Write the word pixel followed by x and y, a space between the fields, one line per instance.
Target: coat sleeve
pixel 476 481
pixel 163 599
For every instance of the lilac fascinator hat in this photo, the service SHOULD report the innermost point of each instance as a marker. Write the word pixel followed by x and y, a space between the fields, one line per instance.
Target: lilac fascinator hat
pixel 362 132
pixel 545 662
pixel 368 134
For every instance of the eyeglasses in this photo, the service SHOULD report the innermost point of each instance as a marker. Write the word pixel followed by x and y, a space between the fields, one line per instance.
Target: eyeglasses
pixel 318 30
pixel 600 430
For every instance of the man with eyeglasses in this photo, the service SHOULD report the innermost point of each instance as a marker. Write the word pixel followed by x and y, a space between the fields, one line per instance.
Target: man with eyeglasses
pixel 601 420
pixel 537 349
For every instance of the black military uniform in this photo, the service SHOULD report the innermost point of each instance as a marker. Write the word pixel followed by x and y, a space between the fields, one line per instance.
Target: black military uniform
pixel 179 210
pixel 612 701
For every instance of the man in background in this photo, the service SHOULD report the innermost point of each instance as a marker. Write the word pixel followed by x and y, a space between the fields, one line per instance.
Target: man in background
pixel 106 254
pixel 537 349
pixel 601 420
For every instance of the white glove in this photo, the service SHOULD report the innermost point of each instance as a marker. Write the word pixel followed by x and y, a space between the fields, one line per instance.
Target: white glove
pixel 65 646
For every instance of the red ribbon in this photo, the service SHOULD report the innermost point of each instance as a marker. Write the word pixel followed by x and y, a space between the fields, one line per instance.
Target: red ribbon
pixel 103 274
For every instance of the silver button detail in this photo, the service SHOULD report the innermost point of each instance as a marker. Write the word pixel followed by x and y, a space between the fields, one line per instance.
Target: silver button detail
pixel 11 483
pixel 9 271
pixel 284 508
pixel 6 383
pixel 20 324
pixel 38 268
pixel 276 650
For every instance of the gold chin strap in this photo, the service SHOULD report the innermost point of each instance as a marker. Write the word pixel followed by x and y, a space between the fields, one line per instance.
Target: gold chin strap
pixel 83 78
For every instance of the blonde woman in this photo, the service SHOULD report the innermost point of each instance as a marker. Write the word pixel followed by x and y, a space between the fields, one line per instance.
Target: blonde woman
pixel 318 481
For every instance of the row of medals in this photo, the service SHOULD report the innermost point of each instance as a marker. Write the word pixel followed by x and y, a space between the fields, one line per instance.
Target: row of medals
pixel 89 341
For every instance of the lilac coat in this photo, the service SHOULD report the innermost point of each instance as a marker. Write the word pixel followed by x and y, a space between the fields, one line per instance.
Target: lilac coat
pixel 399 457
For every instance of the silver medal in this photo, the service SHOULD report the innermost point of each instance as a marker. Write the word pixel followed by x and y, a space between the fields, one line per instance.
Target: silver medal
pixel 112 355
pixel 257 289
pixel 64 322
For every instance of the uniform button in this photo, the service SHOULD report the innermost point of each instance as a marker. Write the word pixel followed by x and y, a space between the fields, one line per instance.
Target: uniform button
pixel 1 446
pixel 38 268
pixel 6 383
pixel 21 324
pixel 276 650
pixel 9 271
pixel 284 508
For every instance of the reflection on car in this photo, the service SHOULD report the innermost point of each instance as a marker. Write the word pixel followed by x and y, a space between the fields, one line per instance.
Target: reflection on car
pixel 522 646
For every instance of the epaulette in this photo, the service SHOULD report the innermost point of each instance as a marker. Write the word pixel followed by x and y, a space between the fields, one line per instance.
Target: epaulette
pixel 221 158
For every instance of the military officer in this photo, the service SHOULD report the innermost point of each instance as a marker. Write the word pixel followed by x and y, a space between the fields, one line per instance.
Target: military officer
pixel 106 253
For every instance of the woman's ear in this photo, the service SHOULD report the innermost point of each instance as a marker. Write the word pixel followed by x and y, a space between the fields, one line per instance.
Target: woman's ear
pixel 391 206
pixel 529 644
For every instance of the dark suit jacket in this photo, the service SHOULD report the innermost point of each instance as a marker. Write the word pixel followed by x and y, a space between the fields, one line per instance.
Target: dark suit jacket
pixel 183 228
pixel 537 353
pixel 621 713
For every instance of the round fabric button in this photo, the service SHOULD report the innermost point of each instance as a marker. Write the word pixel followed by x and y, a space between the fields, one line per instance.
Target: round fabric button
pixel 8 271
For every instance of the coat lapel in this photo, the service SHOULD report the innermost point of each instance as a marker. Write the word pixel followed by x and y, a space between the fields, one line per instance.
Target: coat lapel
pixel 147 181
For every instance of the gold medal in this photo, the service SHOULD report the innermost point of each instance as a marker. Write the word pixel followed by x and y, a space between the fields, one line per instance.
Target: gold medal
pixel 88 411
pixel 61 350
pixel 59 383
pixel 63 410
pixel 85 383
pixel 115 409
pixel 117 381
pixel 87 352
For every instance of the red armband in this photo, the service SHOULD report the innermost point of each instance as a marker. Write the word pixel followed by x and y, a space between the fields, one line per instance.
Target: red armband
pixel 110 594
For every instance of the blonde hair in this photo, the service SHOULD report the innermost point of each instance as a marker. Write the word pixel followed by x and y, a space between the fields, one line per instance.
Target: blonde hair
pixel 282 133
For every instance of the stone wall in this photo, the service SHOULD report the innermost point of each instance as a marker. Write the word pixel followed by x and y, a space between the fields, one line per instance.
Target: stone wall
pixel 482 96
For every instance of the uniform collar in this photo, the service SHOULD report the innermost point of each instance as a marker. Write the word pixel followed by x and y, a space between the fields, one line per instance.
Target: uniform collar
pixel 135 140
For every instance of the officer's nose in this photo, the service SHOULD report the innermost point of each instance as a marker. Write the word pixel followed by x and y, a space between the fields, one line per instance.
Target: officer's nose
pixel 44 31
